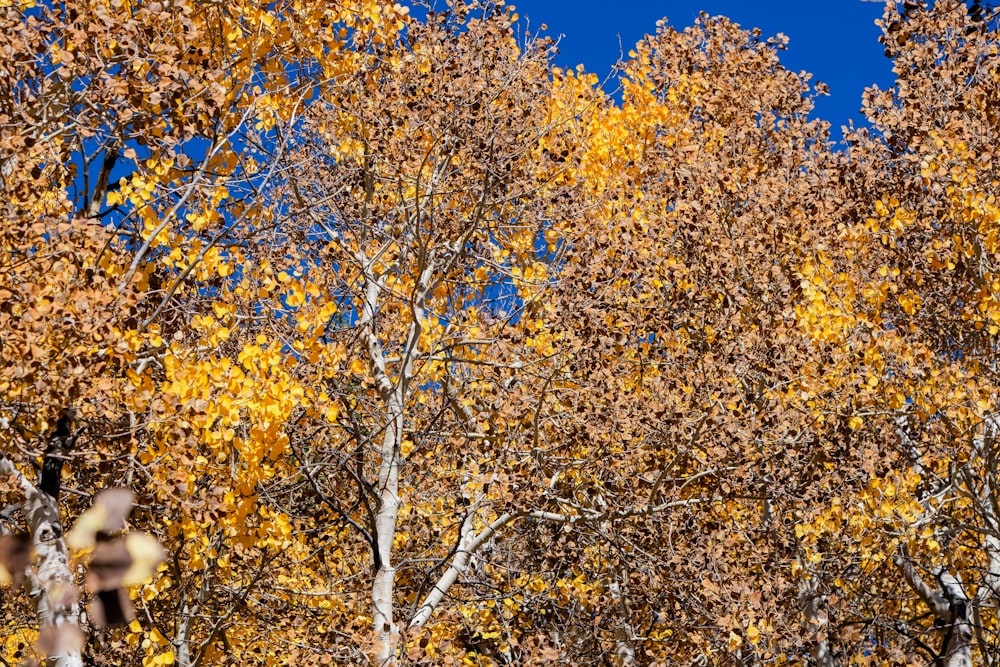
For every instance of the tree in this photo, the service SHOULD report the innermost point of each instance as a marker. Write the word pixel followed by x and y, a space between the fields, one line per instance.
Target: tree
pixel 414 210
pixel 416 349
pixel 129 176
pixel 914 268
pixel 704 191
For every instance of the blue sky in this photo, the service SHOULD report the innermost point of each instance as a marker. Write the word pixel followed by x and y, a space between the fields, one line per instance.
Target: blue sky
pixel 835 40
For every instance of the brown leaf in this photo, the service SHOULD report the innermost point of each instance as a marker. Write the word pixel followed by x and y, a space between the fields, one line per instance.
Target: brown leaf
pixel 15 558
pixel 106 515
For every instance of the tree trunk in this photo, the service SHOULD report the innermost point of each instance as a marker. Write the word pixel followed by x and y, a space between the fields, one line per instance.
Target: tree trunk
pixel 50 579
pixel 386 631
pixel 952 610
pixel 817 621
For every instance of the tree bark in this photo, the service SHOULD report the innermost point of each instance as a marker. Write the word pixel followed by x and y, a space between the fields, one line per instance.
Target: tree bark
pixel 50 579
pixel 386 630
pixel 952 610
pixel 817 621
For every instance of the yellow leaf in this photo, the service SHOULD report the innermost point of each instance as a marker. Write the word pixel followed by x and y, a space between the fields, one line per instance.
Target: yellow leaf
pixel 146 554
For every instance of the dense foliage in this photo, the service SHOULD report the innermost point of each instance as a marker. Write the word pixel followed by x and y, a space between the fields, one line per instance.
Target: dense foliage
pixel 415 349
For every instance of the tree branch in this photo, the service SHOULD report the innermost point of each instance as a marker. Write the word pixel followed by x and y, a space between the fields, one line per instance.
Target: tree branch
pixel 470 543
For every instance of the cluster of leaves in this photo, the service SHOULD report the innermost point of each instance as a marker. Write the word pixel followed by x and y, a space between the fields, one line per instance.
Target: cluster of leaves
pixel 416 349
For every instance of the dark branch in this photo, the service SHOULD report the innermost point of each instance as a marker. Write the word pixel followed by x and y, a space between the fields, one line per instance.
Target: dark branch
pixel 60 444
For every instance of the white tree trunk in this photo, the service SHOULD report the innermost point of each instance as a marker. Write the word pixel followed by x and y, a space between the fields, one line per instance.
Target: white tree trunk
pixel 951 607
pixel 394 395
pixel 50 579
pixel 386 631
pixel 817 621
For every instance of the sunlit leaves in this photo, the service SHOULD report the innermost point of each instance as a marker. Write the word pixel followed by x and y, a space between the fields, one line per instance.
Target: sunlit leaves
pixel 340 284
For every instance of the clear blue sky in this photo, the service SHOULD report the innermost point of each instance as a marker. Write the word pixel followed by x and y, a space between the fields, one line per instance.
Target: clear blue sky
pixel 835 40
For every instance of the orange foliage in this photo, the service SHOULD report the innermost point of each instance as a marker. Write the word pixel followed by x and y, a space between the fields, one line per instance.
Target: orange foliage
pixel 416 349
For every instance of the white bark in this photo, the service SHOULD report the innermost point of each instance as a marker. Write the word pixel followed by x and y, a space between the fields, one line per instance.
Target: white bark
pixel 624 651
pixel 470 543
pixel 189 611
pixel 950 605
pixel 394 396
pixel 957 650
pixel 989 591
pixel 50 579
pixel 817 621
pixel 182 644
pixel 386 630
pixel 948 601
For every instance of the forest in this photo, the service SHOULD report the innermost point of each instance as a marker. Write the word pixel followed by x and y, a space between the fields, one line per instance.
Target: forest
pixel 358 333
